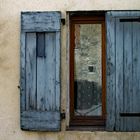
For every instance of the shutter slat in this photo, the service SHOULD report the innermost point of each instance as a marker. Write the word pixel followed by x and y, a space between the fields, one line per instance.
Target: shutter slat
pixel 40 71
pixel 22 72
pixel 136 75
pixel 30 71
pixel 41 85
pixel 119 74
pixel 110 73
pixel 127 62
pixel 51 70
pixel 57 101
pixel 32 120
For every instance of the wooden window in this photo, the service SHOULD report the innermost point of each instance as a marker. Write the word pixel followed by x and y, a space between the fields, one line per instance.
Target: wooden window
pixel 87 70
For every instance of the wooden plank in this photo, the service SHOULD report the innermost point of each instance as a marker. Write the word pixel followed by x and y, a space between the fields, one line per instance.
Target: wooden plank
pixel 110 79
pixel 46 88
pixel 40 21
pixel 125 13
pixel 136 75
pixel 128 93
pixel 51 70
pixel 119 74
pixel 40 121
pixel 41 85
pixel 22 72
pixel 57 73
pixel 30 71
pixel 41 73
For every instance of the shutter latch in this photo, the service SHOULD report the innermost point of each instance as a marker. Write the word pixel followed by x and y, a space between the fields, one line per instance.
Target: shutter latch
pixel 63 115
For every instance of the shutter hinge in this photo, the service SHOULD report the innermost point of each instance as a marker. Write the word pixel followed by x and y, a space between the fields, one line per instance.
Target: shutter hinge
pixel 63 21
pixel 130 20
pixel 18 86
pixel 129 114
pixel 114 128
pixel 63 115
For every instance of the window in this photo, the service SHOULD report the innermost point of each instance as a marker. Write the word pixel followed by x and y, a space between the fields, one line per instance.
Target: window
pixel 104 73
pixel 87 70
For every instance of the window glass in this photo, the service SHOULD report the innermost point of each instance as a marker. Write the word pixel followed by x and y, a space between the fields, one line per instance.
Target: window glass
pixel 88 70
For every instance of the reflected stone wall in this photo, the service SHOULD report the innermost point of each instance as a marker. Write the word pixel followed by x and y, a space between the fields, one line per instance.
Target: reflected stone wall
pixel 88 70
pixel 88 52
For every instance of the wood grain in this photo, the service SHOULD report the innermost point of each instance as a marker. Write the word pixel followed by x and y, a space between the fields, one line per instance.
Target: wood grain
pixel 22 71
pixel 40 21
pixel 40 71
pixel 136 75
pixel 30 71
pixel 119 74
pixel 126 42
pixel 111 73
pixel 40 121
pixel 127 92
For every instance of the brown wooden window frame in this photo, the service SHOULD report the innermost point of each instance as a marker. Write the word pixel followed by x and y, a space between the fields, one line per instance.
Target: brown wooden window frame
pixel 87 120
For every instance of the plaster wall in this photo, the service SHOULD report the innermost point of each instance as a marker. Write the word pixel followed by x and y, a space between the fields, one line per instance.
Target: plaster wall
pixel 9 66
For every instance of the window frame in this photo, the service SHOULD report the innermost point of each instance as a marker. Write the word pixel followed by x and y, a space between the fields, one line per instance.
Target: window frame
pixel 87 120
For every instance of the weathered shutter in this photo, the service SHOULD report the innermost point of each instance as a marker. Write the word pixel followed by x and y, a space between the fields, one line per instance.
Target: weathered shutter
pixel 123 70
pixel 40 71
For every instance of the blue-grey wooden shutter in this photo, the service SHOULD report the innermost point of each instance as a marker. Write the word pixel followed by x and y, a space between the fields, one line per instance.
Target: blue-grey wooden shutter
pixel 40 71
pixel 123 70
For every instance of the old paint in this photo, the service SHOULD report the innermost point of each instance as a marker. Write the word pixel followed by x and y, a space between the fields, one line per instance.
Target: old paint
pixel 126 67
pixel 30 71
pixel 119 74
pixel 37 21
pixel 41 121
pixel 40 74
pixel 136 73
pixel 110 76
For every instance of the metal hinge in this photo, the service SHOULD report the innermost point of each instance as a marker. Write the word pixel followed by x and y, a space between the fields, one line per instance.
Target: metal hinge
pixel 63 115
pixel 63 21
pixel 129 114
pixel 18 86
pixel 130 20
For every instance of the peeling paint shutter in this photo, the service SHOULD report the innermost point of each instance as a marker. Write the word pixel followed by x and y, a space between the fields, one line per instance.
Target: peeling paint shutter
pixel 40 71
pixel 123 71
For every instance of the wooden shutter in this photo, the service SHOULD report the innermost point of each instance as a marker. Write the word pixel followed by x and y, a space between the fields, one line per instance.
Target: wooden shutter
pixel 40 71
pixel 123 70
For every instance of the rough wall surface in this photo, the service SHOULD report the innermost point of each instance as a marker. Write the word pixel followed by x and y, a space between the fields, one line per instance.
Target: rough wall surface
pixel 9 66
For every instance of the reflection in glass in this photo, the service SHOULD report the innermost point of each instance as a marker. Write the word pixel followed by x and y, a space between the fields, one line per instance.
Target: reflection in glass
pixel 87 70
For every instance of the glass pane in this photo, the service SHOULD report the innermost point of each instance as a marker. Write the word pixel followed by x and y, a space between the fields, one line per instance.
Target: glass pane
pixel 88 70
